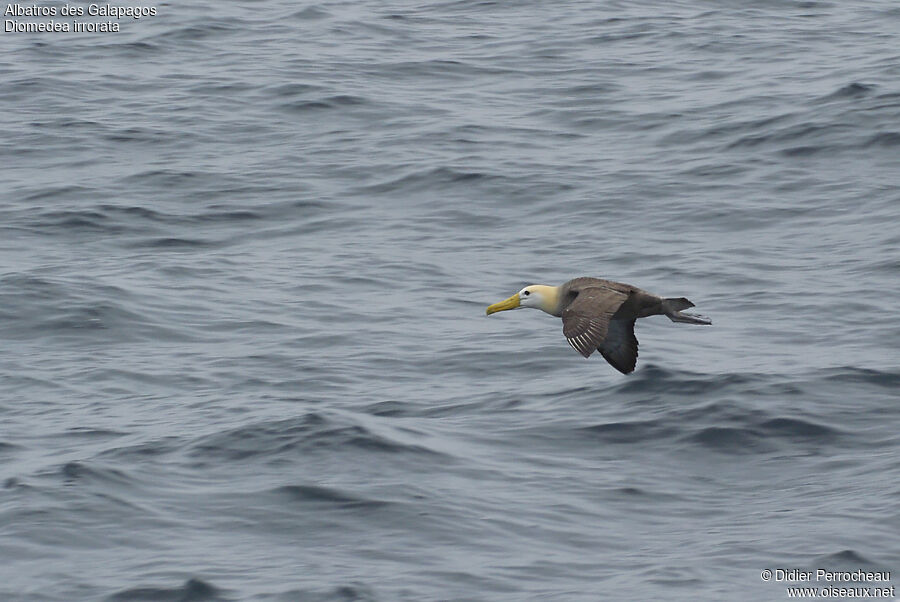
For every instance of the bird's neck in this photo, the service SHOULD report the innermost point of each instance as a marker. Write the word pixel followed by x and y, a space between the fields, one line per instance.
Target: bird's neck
pixel 549 298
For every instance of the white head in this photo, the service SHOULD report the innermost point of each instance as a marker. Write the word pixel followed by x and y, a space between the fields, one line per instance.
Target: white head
pixel 538 296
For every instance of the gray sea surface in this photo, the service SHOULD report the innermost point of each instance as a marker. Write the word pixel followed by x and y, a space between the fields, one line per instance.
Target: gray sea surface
pixel 245 254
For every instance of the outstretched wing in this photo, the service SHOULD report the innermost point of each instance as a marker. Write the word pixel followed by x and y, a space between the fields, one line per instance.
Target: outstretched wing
pixel 586 320
pixel 620 347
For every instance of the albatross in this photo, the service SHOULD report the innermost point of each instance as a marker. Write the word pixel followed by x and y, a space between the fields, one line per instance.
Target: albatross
pixel 599 315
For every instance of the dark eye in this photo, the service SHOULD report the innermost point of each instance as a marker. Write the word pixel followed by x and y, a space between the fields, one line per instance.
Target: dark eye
pixel 527 293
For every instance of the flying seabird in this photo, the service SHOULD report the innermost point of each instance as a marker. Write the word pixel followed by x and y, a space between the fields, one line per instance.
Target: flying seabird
pixel 599 314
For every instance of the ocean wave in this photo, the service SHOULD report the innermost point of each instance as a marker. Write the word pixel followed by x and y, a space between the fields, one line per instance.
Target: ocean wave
pixel 330 496
pixel 193 590
pixel 330 102
pixel 311 432
pixel 429 179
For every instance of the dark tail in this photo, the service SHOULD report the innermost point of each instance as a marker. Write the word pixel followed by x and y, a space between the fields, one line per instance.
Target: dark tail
pixel 672 307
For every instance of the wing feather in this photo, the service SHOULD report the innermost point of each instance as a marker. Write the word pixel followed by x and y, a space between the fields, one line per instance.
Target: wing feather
pixel 620 347
pixel 586 320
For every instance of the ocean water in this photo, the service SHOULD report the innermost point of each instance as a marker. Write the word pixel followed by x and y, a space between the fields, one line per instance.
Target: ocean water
pixel 245 252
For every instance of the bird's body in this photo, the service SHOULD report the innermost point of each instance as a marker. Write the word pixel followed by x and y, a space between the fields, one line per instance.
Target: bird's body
pixel 599 315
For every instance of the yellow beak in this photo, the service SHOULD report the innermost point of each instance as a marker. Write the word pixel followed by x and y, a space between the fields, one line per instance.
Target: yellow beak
pixel 511 303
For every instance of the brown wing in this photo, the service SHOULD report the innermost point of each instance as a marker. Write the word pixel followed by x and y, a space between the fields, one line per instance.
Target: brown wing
pixel 620 347
pixel 586 319
pixel 585 282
